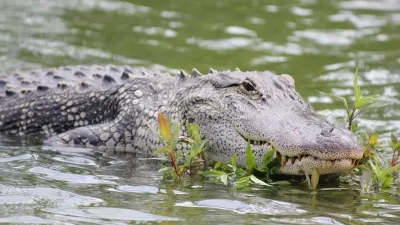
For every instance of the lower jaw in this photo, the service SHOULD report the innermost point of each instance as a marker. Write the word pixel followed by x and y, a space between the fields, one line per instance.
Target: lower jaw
pixel 308 164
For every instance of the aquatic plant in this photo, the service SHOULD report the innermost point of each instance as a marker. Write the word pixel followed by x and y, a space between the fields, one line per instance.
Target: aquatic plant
pixel 180 163
pixel 375 172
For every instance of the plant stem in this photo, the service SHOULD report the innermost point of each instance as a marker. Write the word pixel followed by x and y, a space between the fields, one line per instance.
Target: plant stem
pixel 394 158
pixel 173 162
pixel 351 117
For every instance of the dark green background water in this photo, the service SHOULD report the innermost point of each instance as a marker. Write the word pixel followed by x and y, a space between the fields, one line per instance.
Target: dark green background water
pixel 319 43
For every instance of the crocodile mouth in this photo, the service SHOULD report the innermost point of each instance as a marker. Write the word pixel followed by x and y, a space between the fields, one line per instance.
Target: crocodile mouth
pixel 305 164
pixel 302 164
pixel 255 142
pixel 300 157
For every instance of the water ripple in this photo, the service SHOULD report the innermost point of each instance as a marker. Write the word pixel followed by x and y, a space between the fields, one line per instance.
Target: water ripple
pixel 384 5
pixel 144 189
pixel 359 21
pixel 106 213
pixel 31 220
pixel 340 37
pixel 235 30
pixel 268 207
pixel 71 178
pixel 307 221
pixel 43 196
pixel 222 44
pixel 15 158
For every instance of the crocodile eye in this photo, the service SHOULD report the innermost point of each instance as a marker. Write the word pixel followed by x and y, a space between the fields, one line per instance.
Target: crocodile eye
pixel 248 85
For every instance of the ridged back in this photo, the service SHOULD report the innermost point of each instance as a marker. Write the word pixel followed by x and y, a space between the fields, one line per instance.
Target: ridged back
pixel 78 78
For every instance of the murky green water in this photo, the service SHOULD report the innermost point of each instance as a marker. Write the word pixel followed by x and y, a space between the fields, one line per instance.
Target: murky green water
pixel 318 42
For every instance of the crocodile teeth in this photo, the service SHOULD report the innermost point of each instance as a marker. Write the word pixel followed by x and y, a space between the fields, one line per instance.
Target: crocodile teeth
pixel 292 160
pixel 355 162
pixel 300 157
pixel 284 160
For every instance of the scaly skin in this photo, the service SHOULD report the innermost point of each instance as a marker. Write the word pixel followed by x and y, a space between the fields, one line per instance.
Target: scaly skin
pixel 117 107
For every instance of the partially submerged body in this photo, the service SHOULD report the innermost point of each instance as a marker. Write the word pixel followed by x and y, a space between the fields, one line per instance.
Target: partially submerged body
pixel 117 107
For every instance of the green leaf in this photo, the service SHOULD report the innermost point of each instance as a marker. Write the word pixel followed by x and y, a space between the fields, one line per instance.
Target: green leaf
pixel 239 172
pixel 387 182
pixel 234 160
pixel 227 168
pixel 274 164
pixel 197 148
pixel 366 101
pixel 393 138
pixel 267 158
pixel 390 170
pixel 164 127
pixel 175 133
pixel 375 167
pixel 224 179
pixel 212 173
pixel 194 133
pixel 242 182
pixel 373 139
pixel 354 126
pixel 376 104
pixel 217 165
pixel 173 174
pixel 250 159
pixel 181 169
pixel 397 146
pixel 258 181
pixel 243 179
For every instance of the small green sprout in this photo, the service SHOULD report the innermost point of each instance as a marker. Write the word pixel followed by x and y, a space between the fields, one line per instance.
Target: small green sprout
pixel 180 164
pixel 394 143
pixel 375 172
pixel 241 178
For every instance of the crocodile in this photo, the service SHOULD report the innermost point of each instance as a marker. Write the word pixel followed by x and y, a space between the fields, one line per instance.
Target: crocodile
pixel 117 107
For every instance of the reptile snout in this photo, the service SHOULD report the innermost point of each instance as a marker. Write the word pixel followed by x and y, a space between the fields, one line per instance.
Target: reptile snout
pixel 342 142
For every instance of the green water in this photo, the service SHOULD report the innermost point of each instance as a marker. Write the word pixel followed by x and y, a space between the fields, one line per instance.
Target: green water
pixel 319 43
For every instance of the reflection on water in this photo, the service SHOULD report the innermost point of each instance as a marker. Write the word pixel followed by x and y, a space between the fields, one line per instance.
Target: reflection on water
pixel 318 42
pixel 268 207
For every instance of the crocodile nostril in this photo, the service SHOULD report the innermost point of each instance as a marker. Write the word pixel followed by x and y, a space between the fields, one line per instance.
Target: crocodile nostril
pixel 327 132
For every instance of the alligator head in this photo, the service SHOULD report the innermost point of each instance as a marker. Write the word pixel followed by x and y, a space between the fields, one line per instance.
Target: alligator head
pixel 233 108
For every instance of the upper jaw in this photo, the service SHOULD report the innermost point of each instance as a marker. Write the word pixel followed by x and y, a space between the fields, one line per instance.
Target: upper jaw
pixel 353 152
pixel 304 161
